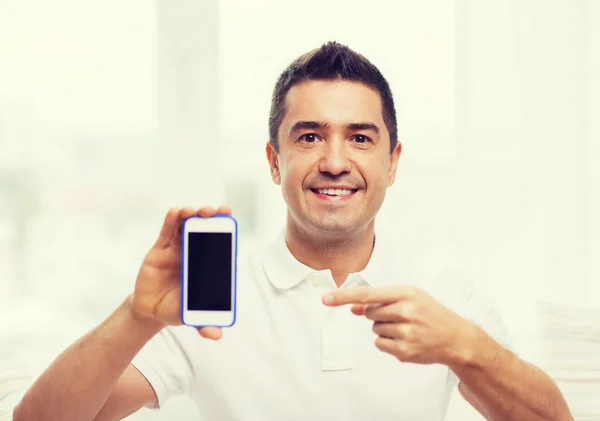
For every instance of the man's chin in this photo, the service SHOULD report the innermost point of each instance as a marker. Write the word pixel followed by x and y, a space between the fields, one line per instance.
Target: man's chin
pixel 333 226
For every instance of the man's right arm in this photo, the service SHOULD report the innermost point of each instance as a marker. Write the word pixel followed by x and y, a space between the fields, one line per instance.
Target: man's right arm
pixel 92 379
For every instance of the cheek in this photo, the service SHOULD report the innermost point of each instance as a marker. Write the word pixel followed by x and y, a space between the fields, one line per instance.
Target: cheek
pixel 288 175
pixel 294 171
pixel 291 181
pixel 375 173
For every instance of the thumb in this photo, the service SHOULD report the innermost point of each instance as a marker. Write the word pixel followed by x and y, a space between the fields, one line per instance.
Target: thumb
pixel 213 333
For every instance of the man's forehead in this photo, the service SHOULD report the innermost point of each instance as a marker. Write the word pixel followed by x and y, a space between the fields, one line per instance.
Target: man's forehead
pixel 334 102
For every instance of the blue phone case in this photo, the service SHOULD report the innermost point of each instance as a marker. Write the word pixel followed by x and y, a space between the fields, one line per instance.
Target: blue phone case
pixel 234 269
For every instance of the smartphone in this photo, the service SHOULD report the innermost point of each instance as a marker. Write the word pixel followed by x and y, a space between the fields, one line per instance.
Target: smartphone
pixel 208 271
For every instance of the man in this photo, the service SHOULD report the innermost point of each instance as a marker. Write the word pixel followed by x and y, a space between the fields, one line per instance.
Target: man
pixel 297 352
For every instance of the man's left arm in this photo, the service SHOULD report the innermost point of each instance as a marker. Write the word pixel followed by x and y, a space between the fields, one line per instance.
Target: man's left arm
pixel 501 386
pixel 414 327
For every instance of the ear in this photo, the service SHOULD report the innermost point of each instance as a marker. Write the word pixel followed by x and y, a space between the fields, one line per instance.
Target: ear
pixel 273 159
pixel 394 157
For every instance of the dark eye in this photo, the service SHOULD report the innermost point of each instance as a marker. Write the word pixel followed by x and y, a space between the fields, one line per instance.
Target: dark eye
pixel 309 137
pixel 360 138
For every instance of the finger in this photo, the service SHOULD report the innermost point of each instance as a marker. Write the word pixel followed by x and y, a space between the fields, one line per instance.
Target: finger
pixel 365 295
pixel 206 211
pixel 386 345
pixel 398 348
pixel 387 312
pixel 184 214
pixel 359 309
pixel 388 330
pixel 168 229
pixel 187 212
pixel 213 333
pixel 224 210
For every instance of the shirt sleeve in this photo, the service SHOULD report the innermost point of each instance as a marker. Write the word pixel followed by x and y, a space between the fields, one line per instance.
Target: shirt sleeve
pixel 14 381
pixel 465 299
pixel 472 304
pixel 165 362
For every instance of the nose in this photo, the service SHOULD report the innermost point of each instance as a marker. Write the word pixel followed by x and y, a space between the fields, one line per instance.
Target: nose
pixel 335 160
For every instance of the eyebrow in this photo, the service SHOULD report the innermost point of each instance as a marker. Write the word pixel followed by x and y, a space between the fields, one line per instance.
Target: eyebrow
pixel 316 125
pixel 356 127
pixel 303 125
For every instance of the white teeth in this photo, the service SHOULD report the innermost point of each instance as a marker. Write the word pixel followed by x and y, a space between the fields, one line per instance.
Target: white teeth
pixel 335 192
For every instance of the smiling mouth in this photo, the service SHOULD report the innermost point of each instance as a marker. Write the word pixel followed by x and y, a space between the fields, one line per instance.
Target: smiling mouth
pixel 335 192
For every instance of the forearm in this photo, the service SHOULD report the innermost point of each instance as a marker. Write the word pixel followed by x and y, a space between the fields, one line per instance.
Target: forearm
pixel 77 384
pixel 506 387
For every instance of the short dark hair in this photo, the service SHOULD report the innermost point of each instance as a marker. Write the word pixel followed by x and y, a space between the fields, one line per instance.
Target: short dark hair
pixel 332 61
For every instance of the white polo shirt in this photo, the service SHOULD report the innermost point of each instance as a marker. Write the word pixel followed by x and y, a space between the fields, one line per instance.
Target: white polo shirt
pixel 289 357
pixel 14 381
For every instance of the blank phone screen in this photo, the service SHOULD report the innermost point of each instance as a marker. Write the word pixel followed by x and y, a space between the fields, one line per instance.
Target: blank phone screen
pixel 209 271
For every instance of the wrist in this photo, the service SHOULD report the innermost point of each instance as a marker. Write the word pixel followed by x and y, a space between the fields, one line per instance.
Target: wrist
pixel 139 321
pixel 125 330
pixel 467 346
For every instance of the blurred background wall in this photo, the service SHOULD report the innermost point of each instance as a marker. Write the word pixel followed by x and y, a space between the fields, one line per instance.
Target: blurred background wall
pixel 111 112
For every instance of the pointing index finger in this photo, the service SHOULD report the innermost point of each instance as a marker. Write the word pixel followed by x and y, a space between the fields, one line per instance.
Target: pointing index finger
pixel 365 295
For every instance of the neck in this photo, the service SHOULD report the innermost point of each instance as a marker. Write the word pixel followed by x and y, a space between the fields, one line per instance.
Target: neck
pixel 343 254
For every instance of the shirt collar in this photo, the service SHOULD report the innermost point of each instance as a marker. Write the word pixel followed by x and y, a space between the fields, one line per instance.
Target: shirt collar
pixel 284 271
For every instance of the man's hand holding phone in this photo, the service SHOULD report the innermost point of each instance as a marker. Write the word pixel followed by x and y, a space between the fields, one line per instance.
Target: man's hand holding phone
pixel 157 295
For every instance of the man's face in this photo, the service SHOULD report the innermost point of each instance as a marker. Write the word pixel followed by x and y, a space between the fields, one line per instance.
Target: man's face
pixel 334 163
